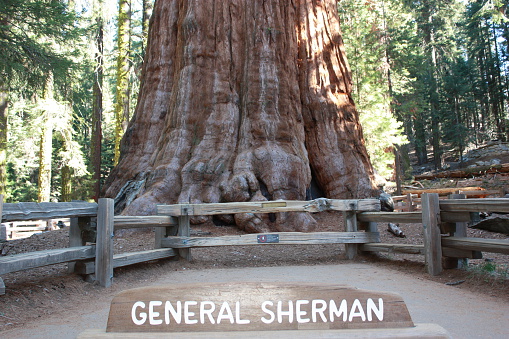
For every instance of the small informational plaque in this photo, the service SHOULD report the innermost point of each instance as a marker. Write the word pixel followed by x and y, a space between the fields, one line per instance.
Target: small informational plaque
pixel 274 204
pixel 254 307
pixel 268 238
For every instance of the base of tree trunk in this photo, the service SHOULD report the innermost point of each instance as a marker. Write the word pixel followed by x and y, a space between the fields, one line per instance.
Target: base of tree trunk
pixel 244 101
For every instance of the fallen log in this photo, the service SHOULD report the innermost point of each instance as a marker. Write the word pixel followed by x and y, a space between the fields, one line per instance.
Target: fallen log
pixel 448 190
pixel 394 229
pixel 466 172
pixel 498 223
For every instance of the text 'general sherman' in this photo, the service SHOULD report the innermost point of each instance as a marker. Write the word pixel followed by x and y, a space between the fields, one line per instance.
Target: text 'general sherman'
pixel 301 311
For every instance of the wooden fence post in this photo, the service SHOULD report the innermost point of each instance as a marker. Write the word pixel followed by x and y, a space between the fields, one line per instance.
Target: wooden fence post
pixel 81 231
pixel 74 240
pixel 460 230
pixel 184 230
pixel 432 235
pixel 350 218
pixel 160 233
pixel 104 244
pixel 3 236
pixel 3 232
pixel 3 228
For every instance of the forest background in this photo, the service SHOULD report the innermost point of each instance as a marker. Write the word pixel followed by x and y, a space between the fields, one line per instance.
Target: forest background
pixel 427 75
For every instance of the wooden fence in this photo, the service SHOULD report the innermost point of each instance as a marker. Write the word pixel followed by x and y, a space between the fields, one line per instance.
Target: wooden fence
pixel 90 238
pixel 410 201
pixel 91 233
pixel 444 224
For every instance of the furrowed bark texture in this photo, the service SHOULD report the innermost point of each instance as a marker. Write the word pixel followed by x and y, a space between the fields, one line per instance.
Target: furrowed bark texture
pixel 242 101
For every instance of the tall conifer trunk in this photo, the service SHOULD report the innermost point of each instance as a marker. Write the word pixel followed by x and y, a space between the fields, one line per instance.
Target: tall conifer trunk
pixel 4 102
pixel 123 67
pixel 45 145
pixel 96 137
pixel 148 6
pixel 45 148
pixel 242 101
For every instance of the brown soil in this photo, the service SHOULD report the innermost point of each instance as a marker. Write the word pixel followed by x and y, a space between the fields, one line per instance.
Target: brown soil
pixel 35 293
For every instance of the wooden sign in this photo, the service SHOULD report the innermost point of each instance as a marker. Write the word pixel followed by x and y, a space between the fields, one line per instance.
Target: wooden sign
pixel 254 307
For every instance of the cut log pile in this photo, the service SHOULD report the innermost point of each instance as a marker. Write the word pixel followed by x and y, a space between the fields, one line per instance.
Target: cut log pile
pixel 466 172
pixel 472 192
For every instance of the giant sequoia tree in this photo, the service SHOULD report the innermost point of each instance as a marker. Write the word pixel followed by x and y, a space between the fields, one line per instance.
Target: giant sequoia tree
pixel 242 101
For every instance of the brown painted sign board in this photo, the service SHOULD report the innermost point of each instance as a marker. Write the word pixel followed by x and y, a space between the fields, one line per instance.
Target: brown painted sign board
pixel 262 306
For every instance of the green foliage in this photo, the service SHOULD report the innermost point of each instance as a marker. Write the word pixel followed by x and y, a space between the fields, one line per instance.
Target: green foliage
pixel 26 123
pixel 382 131
pixel 22 164
pixel 365 25
pixel 31 33
pixel 39 38
pixel 440 66
pixel 489 271
pixel 40 45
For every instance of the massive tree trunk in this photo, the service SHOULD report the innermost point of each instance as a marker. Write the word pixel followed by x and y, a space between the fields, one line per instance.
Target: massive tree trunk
pixel 242 101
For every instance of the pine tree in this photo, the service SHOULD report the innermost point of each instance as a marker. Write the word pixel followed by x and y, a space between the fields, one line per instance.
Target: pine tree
pixel 123 68
pixel 3 139
pixel 97 107
pixel 33 62
pixel 368 25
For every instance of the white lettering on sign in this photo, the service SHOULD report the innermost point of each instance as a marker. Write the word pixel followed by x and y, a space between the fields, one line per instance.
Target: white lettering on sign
pixel 188 314
pixel 334 311
pixel 281 313
pixel 176 314
pixel 143 315
pixel 207 311
pixel 152 315
pixel 318 307
pixel 268 311
pixel 237 315
pixel 301 311
pixel 225 313
pixel 378 311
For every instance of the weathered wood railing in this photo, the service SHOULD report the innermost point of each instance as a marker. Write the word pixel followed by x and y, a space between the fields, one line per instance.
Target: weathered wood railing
pixel 90 238
pixel 92 231
pixel 351 237
pixel 444 223
pixel 90 249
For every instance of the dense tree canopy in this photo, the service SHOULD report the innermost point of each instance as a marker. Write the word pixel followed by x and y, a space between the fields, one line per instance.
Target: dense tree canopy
pixel 428 75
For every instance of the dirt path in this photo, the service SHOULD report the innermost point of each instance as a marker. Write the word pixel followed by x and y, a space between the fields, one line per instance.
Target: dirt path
pixel 463 313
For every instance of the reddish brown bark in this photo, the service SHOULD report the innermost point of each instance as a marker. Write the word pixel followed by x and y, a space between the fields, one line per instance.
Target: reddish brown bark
pixel 242 101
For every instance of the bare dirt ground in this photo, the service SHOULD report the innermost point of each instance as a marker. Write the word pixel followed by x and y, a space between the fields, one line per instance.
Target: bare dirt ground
pixel 35 294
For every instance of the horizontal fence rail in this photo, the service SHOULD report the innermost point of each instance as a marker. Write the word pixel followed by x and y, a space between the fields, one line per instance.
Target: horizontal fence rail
pixel 80 256
pixel 395 217
pixel 351 238
pixel 24 261
pixel 126 259
pixel 317 205
pixel 122 222
pixel 47 210
pixel 476 244
pixel 476 205
pixel 282 238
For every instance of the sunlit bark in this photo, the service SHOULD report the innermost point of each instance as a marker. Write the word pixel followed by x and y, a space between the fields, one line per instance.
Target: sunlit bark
pixel 242 101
